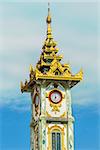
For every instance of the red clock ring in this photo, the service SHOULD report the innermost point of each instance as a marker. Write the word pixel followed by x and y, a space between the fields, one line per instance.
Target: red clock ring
pixel 53 91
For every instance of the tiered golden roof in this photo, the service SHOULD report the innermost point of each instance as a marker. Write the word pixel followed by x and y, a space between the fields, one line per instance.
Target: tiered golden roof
pixel 49 66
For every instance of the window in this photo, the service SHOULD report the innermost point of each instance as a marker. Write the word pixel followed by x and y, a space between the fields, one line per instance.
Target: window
pixel 57 72
pixel 56 141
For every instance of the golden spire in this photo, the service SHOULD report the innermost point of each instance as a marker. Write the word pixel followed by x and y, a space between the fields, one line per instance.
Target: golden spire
pixel 49 66
pixel 48 20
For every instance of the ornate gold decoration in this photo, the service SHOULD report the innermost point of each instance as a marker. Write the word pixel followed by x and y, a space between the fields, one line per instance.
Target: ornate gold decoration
pixel 55 107
pixel 31 68
pixel 21 85
pixel 49 66
pixel 48 115
pixel 63 115
pixel 56 128
pixel 52 56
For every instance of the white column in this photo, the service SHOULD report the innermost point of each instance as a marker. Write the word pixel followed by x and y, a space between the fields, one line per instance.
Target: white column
pixel 31 138
pixel 70 133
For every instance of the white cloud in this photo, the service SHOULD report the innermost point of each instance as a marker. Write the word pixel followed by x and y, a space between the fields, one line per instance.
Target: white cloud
pixel 86 96
pixel 17 102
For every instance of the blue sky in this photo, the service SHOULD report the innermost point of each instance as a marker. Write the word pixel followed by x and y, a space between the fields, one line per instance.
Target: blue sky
pixel 22 33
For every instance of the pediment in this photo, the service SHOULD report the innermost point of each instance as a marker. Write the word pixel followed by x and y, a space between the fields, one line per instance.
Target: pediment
pixel 56 68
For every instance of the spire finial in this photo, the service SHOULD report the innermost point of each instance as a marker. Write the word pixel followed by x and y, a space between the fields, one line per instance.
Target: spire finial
pixel 48 20
pixel 48 17
pixel 48 7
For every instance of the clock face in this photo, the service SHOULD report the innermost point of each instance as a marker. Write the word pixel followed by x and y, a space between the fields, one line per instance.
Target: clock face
pixel 36 100
pixel 55 96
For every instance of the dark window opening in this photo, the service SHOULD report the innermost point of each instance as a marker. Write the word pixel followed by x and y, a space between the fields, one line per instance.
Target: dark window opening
pixel 56 141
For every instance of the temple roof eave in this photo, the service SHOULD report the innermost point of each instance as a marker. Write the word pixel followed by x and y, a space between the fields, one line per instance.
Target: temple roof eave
pixel 29 88
pixel 72 80
pixel 59 78
pixel 59 57
pixel 50 50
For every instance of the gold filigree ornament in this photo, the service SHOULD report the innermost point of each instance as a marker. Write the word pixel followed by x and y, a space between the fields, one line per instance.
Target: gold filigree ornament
pixel 63 115
pixel 55 107
pixel 48 115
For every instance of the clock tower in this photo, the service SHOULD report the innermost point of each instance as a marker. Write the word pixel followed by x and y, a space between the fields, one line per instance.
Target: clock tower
pixel 50 84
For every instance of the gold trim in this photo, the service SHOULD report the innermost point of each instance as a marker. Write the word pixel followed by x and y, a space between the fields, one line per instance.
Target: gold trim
pixel 48 115
pixel 52 56
pixel 55 106
pixel 63 115
pixel 65 72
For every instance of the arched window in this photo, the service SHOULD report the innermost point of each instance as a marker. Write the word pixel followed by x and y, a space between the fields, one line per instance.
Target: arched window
pixel 56 140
